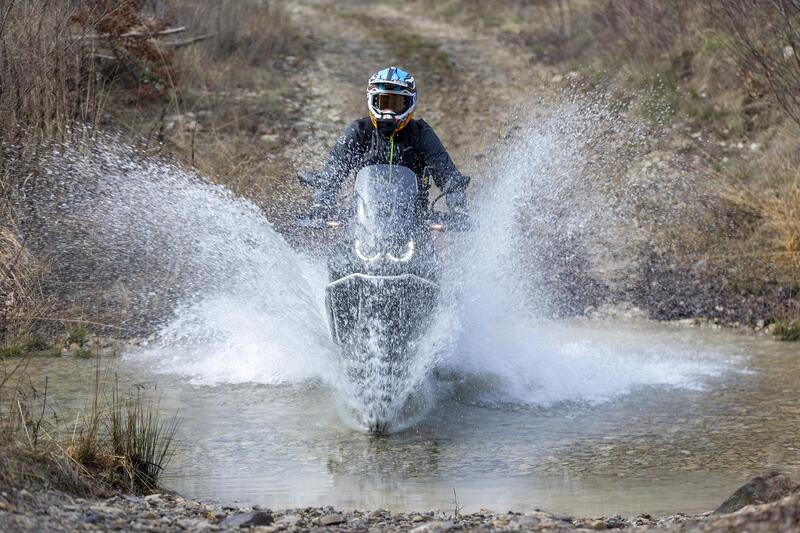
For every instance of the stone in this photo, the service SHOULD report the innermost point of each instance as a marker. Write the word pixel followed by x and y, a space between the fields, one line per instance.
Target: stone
pixel 596 525
pixel 271 139
pixel 615 522
pixel 433 526
pixel 193 524
pixel 768 488
pixel 107 509
pixel 253 518
pixel 332 519
pixel 525 520
pixel 290 519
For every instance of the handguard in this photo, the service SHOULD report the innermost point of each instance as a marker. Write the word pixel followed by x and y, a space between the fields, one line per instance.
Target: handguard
pixel 451 221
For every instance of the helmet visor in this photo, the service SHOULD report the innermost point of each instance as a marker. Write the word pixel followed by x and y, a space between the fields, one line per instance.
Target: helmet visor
pixel 390 103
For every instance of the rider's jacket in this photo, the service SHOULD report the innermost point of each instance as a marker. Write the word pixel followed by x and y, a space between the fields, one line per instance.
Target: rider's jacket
pixel 416 146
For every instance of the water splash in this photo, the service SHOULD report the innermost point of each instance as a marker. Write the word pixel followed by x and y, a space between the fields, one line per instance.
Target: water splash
pixel 235 303
pixel 230 299
pixel 545 223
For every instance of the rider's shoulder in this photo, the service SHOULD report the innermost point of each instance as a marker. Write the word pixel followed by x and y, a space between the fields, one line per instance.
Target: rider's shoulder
pixel 361 124
pixel 422 126
pixel 357 129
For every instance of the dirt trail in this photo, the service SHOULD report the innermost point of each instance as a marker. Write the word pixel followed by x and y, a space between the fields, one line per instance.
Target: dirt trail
pixel 470 83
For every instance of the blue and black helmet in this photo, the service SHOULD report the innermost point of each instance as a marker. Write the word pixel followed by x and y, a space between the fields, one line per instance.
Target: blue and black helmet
pixel 392 98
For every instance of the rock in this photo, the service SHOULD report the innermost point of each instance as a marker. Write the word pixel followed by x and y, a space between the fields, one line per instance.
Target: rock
pixel 193 524
pixel 433 526
pixel 253 518
pixel 152 498
pixel 107 509
pixel 525 520
pixel 271 139
pixel 332 519
pixel 289 519
pixel 615 522
pixel 595 524
pixel 768 488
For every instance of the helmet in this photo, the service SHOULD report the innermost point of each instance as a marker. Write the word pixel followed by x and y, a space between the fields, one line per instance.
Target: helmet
pixel 392 98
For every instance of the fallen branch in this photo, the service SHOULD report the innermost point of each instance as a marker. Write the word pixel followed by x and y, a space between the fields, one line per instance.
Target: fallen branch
pixel 168 31
pixel 187 42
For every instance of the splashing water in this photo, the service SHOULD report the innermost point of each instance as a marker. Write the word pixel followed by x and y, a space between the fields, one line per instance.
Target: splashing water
pixel 243 306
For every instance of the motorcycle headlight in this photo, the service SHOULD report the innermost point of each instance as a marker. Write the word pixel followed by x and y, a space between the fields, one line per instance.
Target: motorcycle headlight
pixel 366 252
pixel 407 255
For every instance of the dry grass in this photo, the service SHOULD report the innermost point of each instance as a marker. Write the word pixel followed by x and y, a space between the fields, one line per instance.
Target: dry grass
pixel 21 296
pixel 117 441
pixel 231 116
pixel 769 191
pixel 257 33
pixel 50 79
pixel 59 82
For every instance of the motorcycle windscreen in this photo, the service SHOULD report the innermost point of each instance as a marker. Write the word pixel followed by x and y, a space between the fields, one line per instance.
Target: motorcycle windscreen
pixel 386 196
pixel 395 308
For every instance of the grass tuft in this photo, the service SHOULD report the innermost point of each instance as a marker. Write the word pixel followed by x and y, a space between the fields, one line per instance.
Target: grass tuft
pixel 141 442
pixel 117 440
pixel 787 330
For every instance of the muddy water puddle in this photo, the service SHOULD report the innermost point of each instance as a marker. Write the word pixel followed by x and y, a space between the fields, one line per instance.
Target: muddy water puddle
pixel 655 449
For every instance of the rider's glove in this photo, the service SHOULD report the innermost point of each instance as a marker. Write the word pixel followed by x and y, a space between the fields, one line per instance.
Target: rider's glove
pixel 455 190
pixel 457 201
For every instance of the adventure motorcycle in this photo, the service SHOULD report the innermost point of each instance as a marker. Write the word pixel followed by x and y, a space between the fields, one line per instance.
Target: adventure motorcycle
pixel 383 273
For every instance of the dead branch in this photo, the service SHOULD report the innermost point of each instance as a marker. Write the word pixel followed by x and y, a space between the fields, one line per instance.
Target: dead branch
pixel 147 34
pixel 187 42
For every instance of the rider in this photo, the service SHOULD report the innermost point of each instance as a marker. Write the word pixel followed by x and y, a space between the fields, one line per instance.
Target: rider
pixel 391 135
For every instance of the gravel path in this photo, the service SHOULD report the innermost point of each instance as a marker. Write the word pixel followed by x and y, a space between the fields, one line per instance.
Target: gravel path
pixel 50 510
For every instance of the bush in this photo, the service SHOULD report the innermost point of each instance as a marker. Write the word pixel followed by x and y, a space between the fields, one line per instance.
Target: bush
pixel 766 42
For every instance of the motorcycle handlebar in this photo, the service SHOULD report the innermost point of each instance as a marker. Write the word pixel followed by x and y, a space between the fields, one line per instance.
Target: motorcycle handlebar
pixel 451 221
pixel 337 219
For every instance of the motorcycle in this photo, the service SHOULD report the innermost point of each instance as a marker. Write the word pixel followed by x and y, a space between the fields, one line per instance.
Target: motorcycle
pixel 383 277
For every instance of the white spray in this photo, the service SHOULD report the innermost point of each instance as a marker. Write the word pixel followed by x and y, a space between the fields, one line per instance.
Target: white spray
pixel 246 307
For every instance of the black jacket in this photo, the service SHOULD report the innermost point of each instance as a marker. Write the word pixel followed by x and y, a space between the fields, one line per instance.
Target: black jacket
pixel 416 146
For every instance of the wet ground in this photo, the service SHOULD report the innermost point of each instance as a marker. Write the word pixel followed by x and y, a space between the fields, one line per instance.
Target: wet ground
pixel 656 449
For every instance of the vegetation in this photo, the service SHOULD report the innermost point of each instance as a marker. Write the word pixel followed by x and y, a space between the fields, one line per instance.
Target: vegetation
pixel 787 330
pixel 162 72
pixel 118 440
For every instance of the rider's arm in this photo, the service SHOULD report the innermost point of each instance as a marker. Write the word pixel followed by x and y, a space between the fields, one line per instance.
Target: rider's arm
pixel 445 174
pixel 343 157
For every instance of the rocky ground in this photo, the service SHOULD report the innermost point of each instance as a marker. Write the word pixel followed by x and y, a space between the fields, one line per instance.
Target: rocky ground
pixel 52 510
